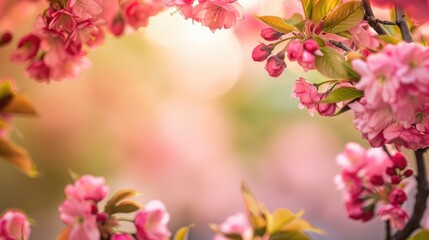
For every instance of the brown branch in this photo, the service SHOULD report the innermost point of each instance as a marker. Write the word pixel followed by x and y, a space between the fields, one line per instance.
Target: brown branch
pixel 403 25
pixel 421 197
pixel 341 45
pixel 388 230
pixel 370 18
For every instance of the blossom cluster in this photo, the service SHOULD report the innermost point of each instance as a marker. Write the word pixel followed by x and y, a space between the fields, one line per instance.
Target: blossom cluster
pixel 311 98
pixel 14 225
pixel 302 51
pixel 373 184
pixel 395 106
pixel 55 48
pixel 215 14
pixel 86 221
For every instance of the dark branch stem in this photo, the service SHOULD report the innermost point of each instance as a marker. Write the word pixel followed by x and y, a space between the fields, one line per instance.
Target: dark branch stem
pixel 370 18
pixel 403 25
pixel 341 45
pixel 388 231
pixel 421 197
pixel 386 151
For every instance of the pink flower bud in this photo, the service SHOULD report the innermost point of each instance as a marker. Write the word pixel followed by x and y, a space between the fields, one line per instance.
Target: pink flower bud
pixel 326 109
pixel 123 236
pixel 377 180
pixel 408 173
pixel 390 171
pixel 94 209
pixel 261 52
pixel 399 161
pixel 311 46
pixel 397 197
pixel 275 66
pixel 396 179
pixel 294 50
pixel 5 38
pixel 270 34
pixel 102 217
pixel 117 26
pixel 39 71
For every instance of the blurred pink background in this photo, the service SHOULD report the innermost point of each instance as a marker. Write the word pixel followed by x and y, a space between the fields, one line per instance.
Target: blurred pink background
pixel 182 115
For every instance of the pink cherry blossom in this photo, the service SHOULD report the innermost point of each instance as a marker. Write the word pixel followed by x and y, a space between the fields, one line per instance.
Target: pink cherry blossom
pixel 28 47
pixel 396 214
pixel 151 222
pixel 218 14
pixel 137 14
pixel 62 20
pixel 326 109
pixel 306 93
pixel 185 7
pixel 122 236
pixel 85 9
pixel 237 224
pixel 14 225
pixel 87 187
pixel 79 218
pixel 352 158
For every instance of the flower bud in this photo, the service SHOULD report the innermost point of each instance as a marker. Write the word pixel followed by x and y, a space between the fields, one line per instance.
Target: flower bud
pixel 377 180
pixel 117 26
pixel 275 66
pixel 397 197
pixel 294 50
pixel 94 209
pixel 311 46
pixel 270 34
pixel 390 171
pixel 261 52
pixel 399 161
pixel 408 173
pixel 102 217
pixel 5 38
pixel 396 179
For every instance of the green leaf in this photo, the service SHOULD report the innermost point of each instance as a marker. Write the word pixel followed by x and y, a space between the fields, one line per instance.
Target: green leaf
pixel 345 34
pixel 231 236
pixel 255 212
pixel 352 74
pixel 389 39
pixel 294 19
pixel 322 8
pixel 125 206
pixel 319 41
pixel 182 233
pixel 307 5
pixel 421 235
pixel 342 94
pixel 331 63
pixel 346 16
pixel 279 219
pixel 18 157
pixel 343 110
pixel 12 102
pixel 293 235
pixel 117 198
pixel 277 23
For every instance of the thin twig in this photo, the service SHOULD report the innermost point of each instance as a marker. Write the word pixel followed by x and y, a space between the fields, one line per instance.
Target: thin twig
pixel 369 17
pixel 341 45
pixel 387 151
pixel 403 25
pixel 421 197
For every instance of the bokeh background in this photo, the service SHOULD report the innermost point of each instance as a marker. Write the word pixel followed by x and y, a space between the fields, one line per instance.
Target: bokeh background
pixel 184 116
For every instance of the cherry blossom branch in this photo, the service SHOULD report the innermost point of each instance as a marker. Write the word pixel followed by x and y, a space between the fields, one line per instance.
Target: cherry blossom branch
pixel 403 25
pixel 370 18
pixel 388 230
pixel 341 45
pixel 421 197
